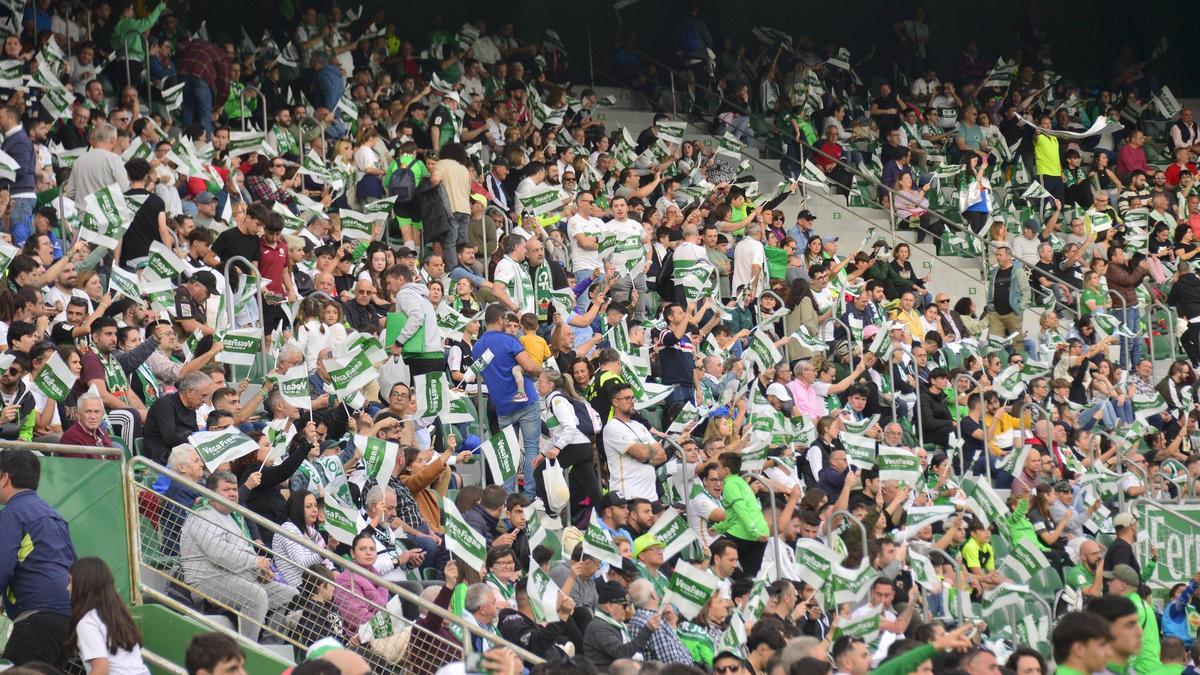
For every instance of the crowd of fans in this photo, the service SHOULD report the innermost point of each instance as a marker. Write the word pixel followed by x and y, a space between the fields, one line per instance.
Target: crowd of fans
pixel 590 389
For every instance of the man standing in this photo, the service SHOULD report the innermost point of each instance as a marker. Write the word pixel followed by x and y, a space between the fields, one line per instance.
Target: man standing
pixel 97 168
pixel 21 188
pixel 583 233
pixel 631 452
pixel 744 522
pixel 627 230
pixel 545 275
pixel 1129 637
pixel 35 555
pixel 109 369
pixel 419 340
pixel 506 352
pixel 513 288
pixel 173 417
pixel 1123 282
pixel 750 262
pixel 1008 296
pixel 204 68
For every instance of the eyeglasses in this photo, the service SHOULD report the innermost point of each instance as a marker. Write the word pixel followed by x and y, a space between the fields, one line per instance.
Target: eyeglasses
pixel 624 398
pixel 943 301
pixel 398 395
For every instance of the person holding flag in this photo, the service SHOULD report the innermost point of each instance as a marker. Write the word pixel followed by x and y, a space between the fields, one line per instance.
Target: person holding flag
pixel 608 636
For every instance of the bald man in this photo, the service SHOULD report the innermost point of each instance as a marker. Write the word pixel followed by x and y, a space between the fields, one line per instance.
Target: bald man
pixel 323 282
pixel 347 662
pixel 1083 577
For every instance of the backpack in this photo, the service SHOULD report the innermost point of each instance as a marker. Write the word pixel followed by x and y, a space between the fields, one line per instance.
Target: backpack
pixel 586 416
pixel 402 184
pixel 664 285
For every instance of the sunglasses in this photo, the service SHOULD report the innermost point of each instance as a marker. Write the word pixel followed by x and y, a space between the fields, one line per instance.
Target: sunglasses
pixel 727 669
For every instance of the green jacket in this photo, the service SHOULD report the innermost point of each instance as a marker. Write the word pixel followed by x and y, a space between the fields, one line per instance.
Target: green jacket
pixel 129 30
pixel 1147 659
pixel 743 516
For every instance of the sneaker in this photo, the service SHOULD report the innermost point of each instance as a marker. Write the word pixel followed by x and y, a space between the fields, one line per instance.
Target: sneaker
pixel 537 505
pixel 520 398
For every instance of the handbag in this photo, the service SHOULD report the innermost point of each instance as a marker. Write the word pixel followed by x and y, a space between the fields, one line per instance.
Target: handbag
pixel 558 495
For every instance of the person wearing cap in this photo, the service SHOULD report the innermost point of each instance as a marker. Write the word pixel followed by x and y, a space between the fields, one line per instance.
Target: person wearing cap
pixel 608 636
pixel 443 122
pixel 802 230
pixel 206 211
pixel 1124 581
pixel 935 410
pixel 1122 552
pixel 648 552
pixel 191 298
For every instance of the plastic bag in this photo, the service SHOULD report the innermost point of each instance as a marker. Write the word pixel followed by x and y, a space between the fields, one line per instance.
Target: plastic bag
pixel 557 492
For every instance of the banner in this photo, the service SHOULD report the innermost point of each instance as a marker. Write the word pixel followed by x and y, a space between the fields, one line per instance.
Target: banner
pixel 865 627
pixel 378 456
pixel 343 521
pixel 689 589
pixel 242 346
pixel 815 561
pixel 123 282
pixel 106 217
pixel 673 532
pixel 763 350
pixel 218 447
pixel 851 585
pixel 433 393
pixel 504 455
pixel 597 544
pixel 1148 406
pixel 1010 382
pixel 461 539
pixel 460 410
pixel 451 323
pixel 898 464
pixel 688 415
pixel 55 379
pixel 543 596
pixel 1026 560
pixel 294 387
pixel 809 342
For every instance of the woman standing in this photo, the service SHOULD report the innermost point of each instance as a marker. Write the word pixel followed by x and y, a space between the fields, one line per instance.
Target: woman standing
pixel 903 265
pixel 975 193
pixel 100 627
pixel 367 166
pixel 569 445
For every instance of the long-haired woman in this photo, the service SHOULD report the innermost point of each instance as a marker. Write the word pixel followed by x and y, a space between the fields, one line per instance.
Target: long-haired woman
pixel 569 445
pixel 100 626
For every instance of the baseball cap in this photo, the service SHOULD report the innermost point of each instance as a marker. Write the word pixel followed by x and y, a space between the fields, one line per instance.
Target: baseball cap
pixel 779 391
pixel 612 499
pixel 806 215
pixel 1123 520
pixel 645 543
pixel 1033 224
pixel 206 279
pixel 610 592
pixel 1124 573
pixel 451 96
pixel 1063 487
pixel 205 197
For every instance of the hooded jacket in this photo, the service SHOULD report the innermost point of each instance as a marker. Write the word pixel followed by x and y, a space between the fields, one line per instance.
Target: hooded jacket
pixel 420 337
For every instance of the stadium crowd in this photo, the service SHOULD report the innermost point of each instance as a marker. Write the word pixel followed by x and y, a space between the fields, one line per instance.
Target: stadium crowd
pixel 402 316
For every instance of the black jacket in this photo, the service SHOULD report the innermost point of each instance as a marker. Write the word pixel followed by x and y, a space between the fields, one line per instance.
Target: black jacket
pixel 1185 296
pixel 168 424
pixel 434 208
pixel 545 641
pixel 935 416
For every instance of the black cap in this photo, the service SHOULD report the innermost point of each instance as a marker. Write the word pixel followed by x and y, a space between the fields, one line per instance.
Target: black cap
pixel 628 569
pixel 612 499
pixel 610 592
pixel 806 215
pixel 206 279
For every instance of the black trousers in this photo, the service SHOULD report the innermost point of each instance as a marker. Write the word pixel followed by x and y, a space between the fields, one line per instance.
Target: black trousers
pixel 38 637
pixel 1191 343
pixel 750 555
pixel 582 481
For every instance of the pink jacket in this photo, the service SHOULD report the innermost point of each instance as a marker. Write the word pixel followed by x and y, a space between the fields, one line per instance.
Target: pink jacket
pixel 357 599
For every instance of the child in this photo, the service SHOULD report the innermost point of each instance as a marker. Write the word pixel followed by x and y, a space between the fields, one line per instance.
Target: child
pixel 100 626
pixel 319 617
pixel 535 345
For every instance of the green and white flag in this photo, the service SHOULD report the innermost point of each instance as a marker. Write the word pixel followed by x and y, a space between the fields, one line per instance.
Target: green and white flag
pixel 1010 383
pixel 1166 103
pixel 730 147
pixel 350 373
pixel 763 350
pixel 991 506
pixel 161 294
pixel 218 447
pixel 384 205
pixel 881 345
pixel 1014 462
pixel 461 539
pixel 163 263
pixel 460 409
pixel 1035 191
pixel 8 167
pixel 382 624
pixel 860 450
pixel 851 585
pixel 359 226
pixel 652 394
pixel 597 544
pixel 865 627
pixel 688 415
pixel 242 346
pixel 690 588
pixel 433 394
pixel 173 97
pixel 378 456
pixel 294 387
pixel 1026 560
pixel 504 455
pixel 734 638
pixel 126 283
pixel 7 253
pixel 809 342
pixel 672 132
pixel 543 595
pixel 292 224
pixel 245 142
pixel 543 200
pixel 343 521
pixel 815 561
pixel 923 571
pixel 480 364
pixel 860 426
pixel 1107 324
pixel 920 517
pixel 451 323
pixel 898 464
pixel 55 379
pixel 1148 406
pixel 673 532
pixel 106 217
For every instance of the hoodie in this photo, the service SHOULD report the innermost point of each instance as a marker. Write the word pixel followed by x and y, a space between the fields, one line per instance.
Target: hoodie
pixel 420 337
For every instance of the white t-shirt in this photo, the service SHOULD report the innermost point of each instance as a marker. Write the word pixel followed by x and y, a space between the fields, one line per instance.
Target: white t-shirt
pixel 510 273
pixel 582 259
pixel 886 638
pixel 702 505
pixel 92 636
pixel 628 477
pixel 746 254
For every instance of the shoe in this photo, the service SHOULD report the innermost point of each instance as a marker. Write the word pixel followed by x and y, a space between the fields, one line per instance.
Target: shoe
pixel 520 398
pixel 537 505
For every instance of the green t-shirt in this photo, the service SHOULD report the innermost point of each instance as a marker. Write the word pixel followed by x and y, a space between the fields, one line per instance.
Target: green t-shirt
pixel 1147 659
pixel 1079 577
pixel 1099 296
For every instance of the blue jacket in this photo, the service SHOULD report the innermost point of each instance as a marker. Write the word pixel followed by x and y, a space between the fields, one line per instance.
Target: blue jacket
pixel 19 147
pixel 36 554
pixel 1175 616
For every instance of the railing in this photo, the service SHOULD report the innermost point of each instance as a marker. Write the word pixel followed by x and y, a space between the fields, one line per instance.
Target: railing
pixel 166 532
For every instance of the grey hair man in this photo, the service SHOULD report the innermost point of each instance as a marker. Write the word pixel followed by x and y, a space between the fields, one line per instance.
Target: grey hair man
pixel 97 168
pixel 172 418
pixel 480 605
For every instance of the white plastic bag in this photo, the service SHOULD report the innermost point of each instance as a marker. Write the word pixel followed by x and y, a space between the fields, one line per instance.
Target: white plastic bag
pixel 557 492
pixel 393 371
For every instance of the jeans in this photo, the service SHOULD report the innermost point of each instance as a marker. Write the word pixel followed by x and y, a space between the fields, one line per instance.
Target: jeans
pixel 739 128
pixel 460 222
pixel 1104 411
pixel 1131 348
pixel 528 421
pixel 22 219
pixel 622 291
pixel 197 103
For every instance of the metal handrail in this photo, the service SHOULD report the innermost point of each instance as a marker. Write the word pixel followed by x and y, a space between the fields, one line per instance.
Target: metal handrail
pixel 62 449
pixel 959 596
pixel 467 627
pixel 766 482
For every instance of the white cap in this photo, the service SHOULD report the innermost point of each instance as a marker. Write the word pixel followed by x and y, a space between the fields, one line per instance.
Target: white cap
pixel 778 391
pixel 453 96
